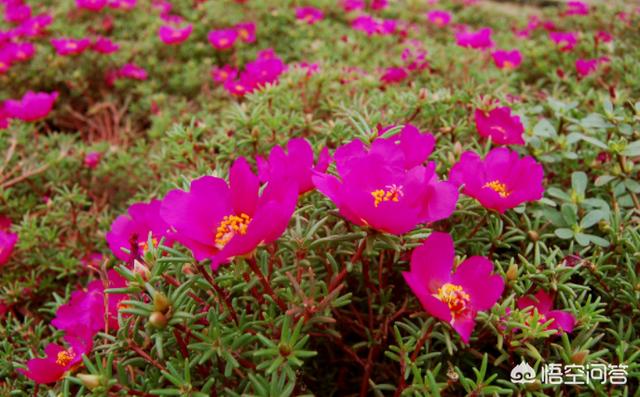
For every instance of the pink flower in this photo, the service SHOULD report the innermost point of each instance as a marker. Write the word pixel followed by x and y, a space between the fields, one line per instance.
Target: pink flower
pixel 353 5
pixel 91 5
pixel 309 15
pixel 507 59
pixel 479 39
pixel 16 12
pixel 603 36
pixel 8 241
pixel 372 26
pixel 133 72
pixel 386 186
pixel 237 87
pixel 223 74
pixel 86 308
pixel 565 41
pixel 4 117
pixel 452 297
pixel 265 69
pixel 296 165
pixel 219 221
pixel 93 259
pixel 125 5
pixel 33 106
pixel 500 125
pixel 223 39
pixel 66 46
pixel 104 45
pixel 576 8
pixel 440 18
pixel 91 160
pixel 131 231
pixel 394 75
pixel 501 181
pixel 584 67
pixel 379 4
pixel 246 31
pixel 20 52
pixel 35 26
pixel 542 303
pixel 172 35
pixel 58 360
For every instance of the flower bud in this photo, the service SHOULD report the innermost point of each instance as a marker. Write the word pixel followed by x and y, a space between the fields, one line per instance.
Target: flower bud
pixel 457 148
pixel 142 270
pixel 89 381
pixel 158 320
pixel 188 268
pixel 512 272
pixel 160 302
pixel 533 235
pixel 579 357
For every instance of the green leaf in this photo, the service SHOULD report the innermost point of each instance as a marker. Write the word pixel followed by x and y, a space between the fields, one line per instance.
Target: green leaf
pixel 591 219
pixel 632 149
pixel 564 233
pixel 579 182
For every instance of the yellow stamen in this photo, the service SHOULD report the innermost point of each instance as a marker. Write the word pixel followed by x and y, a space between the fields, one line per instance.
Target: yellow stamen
pixel 508 65
pixel 231 226
pixel 223 41
pixel 64 357
pixel 498 187
pixel 393 193
pixel 455 297
pixel 145 246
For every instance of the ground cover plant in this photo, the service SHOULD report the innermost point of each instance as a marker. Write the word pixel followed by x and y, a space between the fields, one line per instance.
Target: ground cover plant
pixel 319 197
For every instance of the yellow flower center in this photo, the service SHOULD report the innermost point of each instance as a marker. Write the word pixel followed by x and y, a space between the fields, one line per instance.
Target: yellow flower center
pixel 72 46
pixel 244 34
pixel 439 20
pixel 231 226
pixel 392 193
pixel 64 357
pixel 455 297
pixel 223 41
pixel 508 65
pixel 145 246
pixel 498 187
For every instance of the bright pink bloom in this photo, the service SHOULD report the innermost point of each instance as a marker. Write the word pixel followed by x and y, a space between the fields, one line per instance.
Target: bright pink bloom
pixel 223 74
pixel 93 259
pixel 172 35
pixel 479 39
pixel 219 221
pixel 266 69
pixel 131 231
pixel 237 88
pixel 223 39
pixel 372 26
pixel 309 15
pixel 66 46
pixel 91 5
pixel 104 45
pixel 452 297
pixel 125 5
pixel 353 5
pixel 394 75
pixel 542 302
pixel 20 52
pixel 32 107
pixel 58 360
pixel 603 36
pixel 91 160
pixel 564 40
pixel 507 59
pixel 133 72
pixel 8 241
pixel 296 165
pixel 16 12
pixel 585 67
pixel 501 181
pixel 246 31
pixel 386 186
pixel 379 4
pixel 4 117
pixel 5 65
pixel 440 18
pixel 500 125
pixel 35 26
pixel 577 8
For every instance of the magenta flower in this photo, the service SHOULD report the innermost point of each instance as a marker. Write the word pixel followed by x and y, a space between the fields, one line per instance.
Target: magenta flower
pixel 584 67
pixel 131 231
pixel 440 18
pixel 246 31
pixel 35 26
pixel 480 39
pixel 500 125
pixel 296 165
pixel 33 106
pixel 309 15
pixel 219 222
pixel 223 74
pixel 223 39
pixel 16 12
pixel 8 241
pixel 125 5
pixel 507 59
pixel 394 75
pixel 576 8
pixel 20 52
pixel 542 302
pixel 5 64
pixel 91 160
pixel 104 45
pixel 66 46
pixel 172 35
pixel 372 26
pixel 452 297
pixel 353 5
pixel 133 72
pixel 58 360
pixel 501 181
pixel 379 4
pixel 565 41
pixel 603 36
pixel 4 117
pixel 386 187
pixel 91 5
pixel 265 69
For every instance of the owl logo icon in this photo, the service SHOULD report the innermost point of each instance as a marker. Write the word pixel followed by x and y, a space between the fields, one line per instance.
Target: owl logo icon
pixel 523 373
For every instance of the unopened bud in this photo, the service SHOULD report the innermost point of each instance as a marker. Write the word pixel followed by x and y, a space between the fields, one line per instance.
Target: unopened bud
pixel 142 270
pixel 160 302
pixel 512 272
pixel 188 268
pixel 533 235
pixel 89 381
pixel 579 357
pixel 158 320
pixel 457 148
pixel 451 157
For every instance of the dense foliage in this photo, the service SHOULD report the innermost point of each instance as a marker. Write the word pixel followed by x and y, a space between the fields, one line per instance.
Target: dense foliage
pixel 332 294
